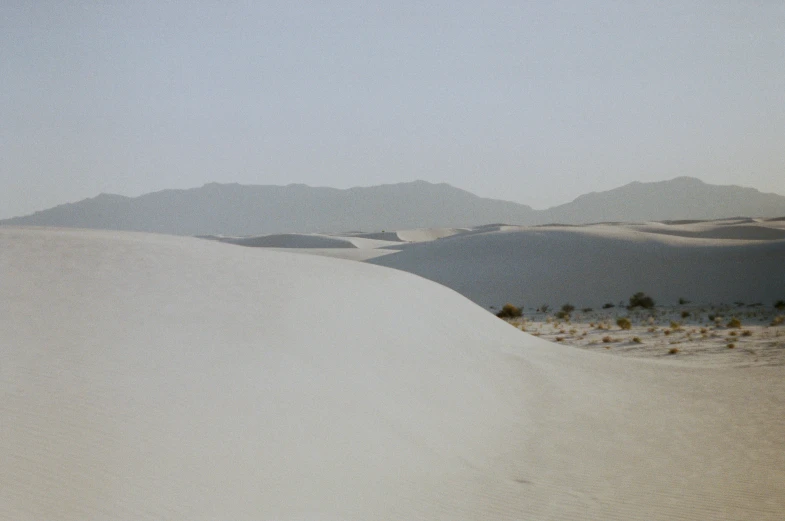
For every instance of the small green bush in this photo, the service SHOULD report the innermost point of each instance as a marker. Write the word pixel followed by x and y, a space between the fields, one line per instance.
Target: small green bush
pixel 568 308
pixel 780 304
pixel 509 311
pixel 683 301
pixel 685 314
pixel 641 300
pixel 562 314
pixel 608 305
pixel 637 340
pixel 623 322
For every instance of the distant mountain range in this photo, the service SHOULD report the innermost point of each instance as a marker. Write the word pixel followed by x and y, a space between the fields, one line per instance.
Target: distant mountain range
pixel 233 209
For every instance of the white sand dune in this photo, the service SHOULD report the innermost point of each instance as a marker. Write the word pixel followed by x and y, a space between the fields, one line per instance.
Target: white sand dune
pixel 155 377
pixel 592 265
pixel 290 240
pixel 416 235
pixel 312 241
pixel 356 254
pixel 744 232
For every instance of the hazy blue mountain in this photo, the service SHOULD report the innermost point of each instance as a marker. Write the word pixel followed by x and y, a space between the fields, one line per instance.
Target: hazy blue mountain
pixel 680 198
pixel 233 209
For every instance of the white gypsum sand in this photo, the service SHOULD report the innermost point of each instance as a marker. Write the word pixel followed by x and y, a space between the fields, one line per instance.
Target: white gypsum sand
pixel 155 377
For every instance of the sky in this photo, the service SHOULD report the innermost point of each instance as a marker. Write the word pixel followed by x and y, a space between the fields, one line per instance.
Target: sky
pixel 533 102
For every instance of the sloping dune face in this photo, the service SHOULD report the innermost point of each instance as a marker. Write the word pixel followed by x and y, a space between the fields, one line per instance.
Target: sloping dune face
pixel 592 265
pixel 152 377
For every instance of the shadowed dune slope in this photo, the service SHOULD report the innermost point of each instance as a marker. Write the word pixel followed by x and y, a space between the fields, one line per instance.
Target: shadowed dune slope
pixel 588 266
pixel 153 377
pixel 290 240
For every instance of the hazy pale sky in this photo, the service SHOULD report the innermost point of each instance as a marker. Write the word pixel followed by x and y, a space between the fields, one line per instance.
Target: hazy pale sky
pixel 535 102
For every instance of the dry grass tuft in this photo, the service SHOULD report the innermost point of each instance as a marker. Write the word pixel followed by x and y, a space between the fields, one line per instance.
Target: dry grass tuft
pixel 734 322
pixel 624 323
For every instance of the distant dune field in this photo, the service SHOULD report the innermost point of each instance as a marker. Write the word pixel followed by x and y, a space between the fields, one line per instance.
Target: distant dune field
pixel 705 262
pixel 158 377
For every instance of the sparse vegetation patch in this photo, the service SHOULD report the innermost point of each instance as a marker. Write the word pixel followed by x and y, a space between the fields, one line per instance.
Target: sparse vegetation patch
pixel 734 322
pixel 641 300
pixel 509 311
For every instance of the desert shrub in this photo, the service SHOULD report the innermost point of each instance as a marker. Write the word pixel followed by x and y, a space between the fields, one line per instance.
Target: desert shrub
pixel 734 322
pixel 673 350
pixel 568 308
pixel 746 332
pixel 731 345
pixel 666 331
pixel 675 325
pixel 608 305
pixel 587 310
pixel 712 317
pixel 509 311
pixel 641 300
pixel 685 314
pixel 780 304
pixel 562 314
pixel 559 338
pixel 683 301
pixel 544 308
pixel 778 320
pixel 607 339
pixel 637 340
pixel 732 333
pixel 623 323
